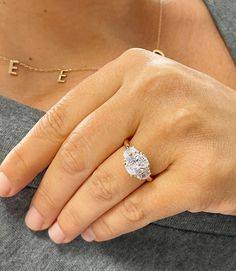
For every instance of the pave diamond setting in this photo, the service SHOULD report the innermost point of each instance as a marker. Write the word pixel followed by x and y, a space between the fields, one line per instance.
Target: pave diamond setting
pixel 136 163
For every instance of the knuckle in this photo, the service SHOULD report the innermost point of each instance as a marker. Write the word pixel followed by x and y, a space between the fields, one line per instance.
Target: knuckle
pixel 102 228
pixel 45 200
pixel 199 202
pixel 71 157
pixel 101 185
pixel 71 217
pixel 132 210
pixel 135 57
pixel 135 52
pixel 200 193
pixel 186 121
pixel 198 206
pixel 159 79
pixel 193 196
pixel 170 80
pixel 224 207
pixel 16 151
pixel 53 125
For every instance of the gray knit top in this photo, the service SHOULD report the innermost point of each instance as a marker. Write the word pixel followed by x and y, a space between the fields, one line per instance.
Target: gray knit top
pixel 17 119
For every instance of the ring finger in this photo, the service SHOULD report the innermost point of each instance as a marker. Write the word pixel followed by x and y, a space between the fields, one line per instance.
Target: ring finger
pixel 108 185
pixel 88 145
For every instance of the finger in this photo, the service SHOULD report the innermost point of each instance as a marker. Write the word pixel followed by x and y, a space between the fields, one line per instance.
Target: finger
pixel 108 185
pixel 102 190
pixel 90 143
pixel 166 195
pixel 36 150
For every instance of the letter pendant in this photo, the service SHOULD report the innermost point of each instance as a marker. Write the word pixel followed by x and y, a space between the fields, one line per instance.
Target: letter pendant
pixel 13 66
pixel 61 76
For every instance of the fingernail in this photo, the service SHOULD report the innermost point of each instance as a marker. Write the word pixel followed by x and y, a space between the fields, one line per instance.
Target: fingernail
pixel 88 235
pixel 56 234
pixel 34 219
pixel 5 185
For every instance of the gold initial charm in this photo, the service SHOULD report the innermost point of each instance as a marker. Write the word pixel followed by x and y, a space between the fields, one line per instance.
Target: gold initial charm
pixel 13 66
pixel 61 76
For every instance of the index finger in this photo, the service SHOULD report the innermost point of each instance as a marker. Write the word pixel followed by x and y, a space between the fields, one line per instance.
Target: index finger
pixel 37 149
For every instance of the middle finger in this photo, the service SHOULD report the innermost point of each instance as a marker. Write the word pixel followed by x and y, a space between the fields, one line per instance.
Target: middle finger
pixel 108 185
pixel 89 144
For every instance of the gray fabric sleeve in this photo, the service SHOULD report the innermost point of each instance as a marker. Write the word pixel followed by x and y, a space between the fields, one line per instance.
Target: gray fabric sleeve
pixel 224 14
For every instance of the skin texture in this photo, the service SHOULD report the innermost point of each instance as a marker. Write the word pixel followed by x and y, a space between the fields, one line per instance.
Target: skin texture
pixel 122 24
pixel 182 119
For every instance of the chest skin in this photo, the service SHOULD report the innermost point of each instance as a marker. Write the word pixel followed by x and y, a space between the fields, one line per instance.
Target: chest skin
pixel 188 35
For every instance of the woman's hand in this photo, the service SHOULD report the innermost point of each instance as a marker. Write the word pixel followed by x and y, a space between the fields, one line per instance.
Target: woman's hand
pixel 182 119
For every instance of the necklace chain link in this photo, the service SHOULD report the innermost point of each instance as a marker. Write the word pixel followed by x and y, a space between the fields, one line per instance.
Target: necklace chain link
pixel 27 66
pixel 63 71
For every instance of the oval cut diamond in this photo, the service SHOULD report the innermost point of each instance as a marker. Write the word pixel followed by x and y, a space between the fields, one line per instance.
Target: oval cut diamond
pixel 136 163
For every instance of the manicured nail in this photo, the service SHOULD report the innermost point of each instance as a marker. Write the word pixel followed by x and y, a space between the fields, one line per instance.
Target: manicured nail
pixel 56 234
pixel 5 185
pixel 34 219
pixel 88 235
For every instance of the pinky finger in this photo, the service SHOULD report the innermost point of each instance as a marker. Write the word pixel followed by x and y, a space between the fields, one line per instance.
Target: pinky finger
pixel 165 196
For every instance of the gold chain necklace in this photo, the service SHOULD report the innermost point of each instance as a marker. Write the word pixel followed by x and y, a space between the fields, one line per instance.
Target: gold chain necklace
pixel 14 63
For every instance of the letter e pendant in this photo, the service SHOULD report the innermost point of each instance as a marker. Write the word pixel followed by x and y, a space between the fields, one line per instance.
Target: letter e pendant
pixel 13 66
pixel 61 76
